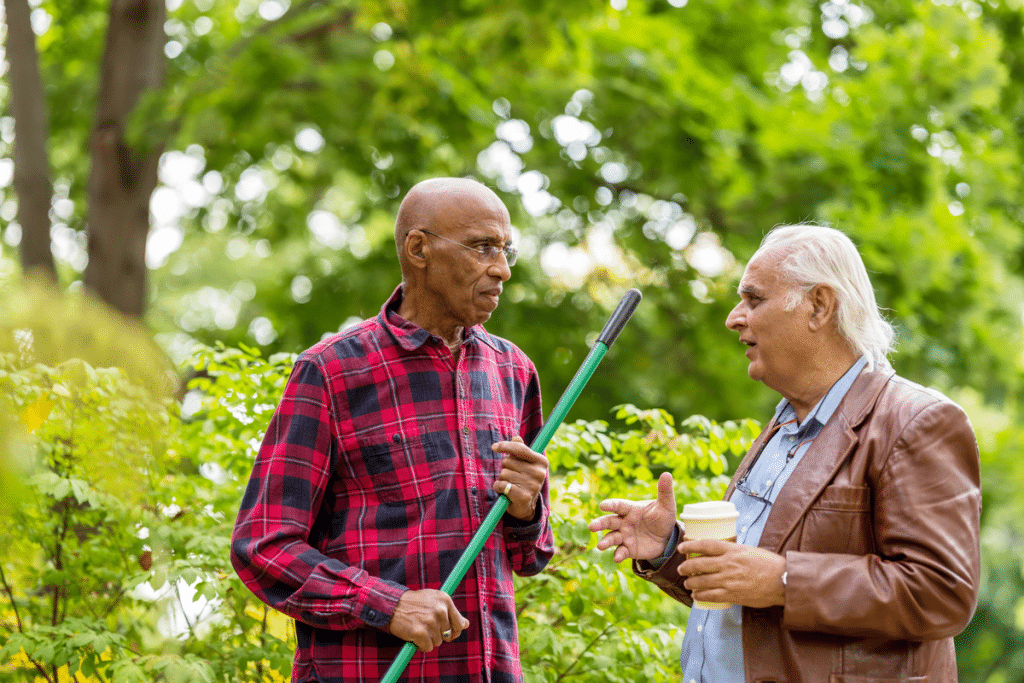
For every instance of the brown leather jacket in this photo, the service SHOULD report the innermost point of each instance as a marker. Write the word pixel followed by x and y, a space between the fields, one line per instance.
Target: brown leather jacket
pixel 879 525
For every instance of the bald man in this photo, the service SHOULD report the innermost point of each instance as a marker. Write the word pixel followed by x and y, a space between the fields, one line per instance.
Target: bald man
pixel 391 444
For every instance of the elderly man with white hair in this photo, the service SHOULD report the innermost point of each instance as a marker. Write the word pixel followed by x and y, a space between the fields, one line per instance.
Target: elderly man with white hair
pixel 857 553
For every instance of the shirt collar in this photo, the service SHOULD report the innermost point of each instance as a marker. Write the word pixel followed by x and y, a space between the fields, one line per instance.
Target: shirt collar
pixel 822 412
pixel 411 336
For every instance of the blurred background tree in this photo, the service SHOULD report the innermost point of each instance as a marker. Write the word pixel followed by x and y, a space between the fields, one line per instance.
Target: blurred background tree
pixel 637 143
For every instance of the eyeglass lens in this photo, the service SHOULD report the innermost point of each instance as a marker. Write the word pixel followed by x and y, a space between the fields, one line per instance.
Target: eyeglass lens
pixel 485 253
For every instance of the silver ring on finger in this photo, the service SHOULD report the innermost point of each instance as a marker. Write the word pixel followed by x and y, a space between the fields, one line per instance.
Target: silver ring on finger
pixel 447 634
pixel 508 487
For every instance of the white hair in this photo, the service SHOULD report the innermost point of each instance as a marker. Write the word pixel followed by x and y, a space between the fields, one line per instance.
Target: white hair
pixel 818 255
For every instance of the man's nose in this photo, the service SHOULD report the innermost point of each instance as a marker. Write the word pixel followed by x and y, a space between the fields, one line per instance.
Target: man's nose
pixel 734 321
pixel 499 267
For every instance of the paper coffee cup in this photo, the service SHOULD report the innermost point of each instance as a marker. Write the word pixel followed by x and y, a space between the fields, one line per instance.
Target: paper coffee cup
pixel 711 519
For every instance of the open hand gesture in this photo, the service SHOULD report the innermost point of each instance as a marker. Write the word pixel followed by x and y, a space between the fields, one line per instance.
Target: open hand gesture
pixel 639 529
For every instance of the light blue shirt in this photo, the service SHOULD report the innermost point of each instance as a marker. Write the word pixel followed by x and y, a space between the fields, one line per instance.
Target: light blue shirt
pixel 713 645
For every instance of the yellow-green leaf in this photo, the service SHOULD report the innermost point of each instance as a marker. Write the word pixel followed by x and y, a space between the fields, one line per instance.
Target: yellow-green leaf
pixel 36 413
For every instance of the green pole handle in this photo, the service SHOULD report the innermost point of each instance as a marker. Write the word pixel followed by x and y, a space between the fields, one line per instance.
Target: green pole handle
pixel 608 335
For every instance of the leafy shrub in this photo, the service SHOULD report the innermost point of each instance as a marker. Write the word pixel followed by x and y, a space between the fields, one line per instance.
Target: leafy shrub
pixel 76 547
pixel 585 618
pixel 128 524
pixel 116 565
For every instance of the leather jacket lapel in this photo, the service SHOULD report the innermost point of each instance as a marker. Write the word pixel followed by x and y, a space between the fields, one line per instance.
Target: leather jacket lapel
pixel 749 458
pixel 812 474
pixel 820 463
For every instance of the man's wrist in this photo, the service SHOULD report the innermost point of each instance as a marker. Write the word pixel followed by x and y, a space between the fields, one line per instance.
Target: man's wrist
pixel 670 547
pixel 533 518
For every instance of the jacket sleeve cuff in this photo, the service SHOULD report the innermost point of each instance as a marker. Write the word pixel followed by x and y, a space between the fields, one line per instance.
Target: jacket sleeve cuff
pixel 666 577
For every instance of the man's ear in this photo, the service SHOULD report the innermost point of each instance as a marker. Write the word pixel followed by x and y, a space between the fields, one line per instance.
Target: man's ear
pixel 413 249
pixel 823 306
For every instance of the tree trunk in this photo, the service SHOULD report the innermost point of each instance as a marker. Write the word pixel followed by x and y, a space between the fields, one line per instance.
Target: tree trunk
pixel 31 163
pixel 122 179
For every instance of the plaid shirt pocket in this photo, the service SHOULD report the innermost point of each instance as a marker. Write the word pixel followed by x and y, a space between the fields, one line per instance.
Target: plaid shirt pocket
pixel 407 465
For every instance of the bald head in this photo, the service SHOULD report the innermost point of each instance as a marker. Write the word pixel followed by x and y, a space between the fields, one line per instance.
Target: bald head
pixel 438 204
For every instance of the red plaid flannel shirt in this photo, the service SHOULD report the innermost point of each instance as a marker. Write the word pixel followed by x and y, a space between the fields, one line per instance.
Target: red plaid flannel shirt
pixel 374 473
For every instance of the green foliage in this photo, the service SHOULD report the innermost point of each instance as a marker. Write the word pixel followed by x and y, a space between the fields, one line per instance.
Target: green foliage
pixel 703 126
pixel 70 334
pixel 991 648
pixel 74 553
pixel 584 618
pixel 699 127
pixel 707 124
pixel 127 522
pixel 132 501
pixel 229 404
pixel 40 324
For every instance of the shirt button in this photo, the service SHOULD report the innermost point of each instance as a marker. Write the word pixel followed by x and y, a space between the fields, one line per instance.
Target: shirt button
pixel 465 430
pixel 474 490
pixel 397 438
pixel 700 628
pixel 744 529
pixel 768 482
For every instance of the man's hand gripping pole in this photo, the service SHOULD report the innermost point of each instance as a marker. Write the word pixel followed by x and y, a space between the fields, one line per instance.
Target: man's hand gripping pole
pixel 611 331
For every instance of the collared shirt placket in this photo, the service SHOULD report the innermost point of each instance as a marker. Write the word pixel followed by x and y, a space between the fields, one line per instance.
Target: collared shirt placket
pixel 473 484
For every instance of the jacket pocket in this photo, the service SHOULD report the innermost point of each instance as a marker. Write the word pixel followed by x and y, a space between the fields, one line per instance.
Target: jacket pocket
pixel 839 521
pixel 844 678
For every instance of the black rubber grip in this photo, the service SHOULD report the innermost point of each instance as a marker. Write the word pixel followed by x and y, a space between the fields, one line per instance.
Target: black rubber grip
pixel 620 317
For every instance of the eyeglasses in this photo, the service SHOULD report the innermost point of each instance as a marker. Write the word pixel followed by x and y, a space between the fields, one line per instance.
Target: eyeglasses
pixel 486 253
pixel 765 499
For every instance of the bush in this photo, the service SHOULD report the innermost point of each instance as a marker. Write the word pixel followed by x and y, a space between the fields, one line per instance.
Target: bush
pixel 116 562
pixel 584 618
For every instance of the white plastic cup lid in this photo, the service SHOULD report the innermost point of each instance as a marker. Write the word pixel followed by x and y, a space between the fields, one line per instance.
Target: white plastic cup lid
pixel 711 509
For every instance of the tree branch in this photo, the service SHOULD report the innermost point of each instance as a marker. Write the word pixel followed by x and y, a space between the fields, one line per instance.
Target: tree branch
pixel 10 596
pixel 58 562
pixel 591 644
pixel 40 669
pixel 292 12
pixel 263 639
pixel 109 609
pixel 184 612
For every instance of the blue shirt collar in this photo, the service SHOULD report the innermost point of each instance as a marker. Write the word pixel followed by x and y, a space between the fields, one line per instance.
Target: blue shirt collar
pixel 822 412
